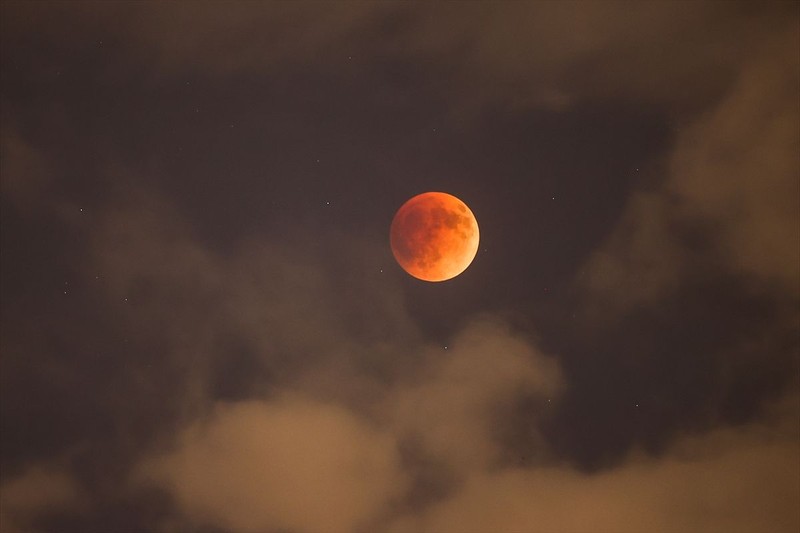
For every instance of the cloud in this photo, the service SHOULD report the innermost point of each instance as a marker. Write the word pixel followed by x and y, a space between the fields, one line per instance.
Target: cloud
pixel 556 54
pixel 242 37
pixel 737 166
pixel 736 479
pixel 453 409
pixel 437 460
pixel 751 488
pixel 523 55
pixel 731 186
pixel 37 491
pixel 287 464
pixel 292 463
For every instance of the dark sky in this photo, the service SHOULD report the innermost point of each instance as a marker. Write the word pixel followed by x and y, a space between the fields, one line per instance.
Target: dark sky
pixel 204 328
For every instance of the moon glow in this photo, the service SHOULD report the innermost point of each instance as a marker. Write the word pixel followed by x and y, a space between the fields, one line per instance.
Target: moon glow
pixel 434 236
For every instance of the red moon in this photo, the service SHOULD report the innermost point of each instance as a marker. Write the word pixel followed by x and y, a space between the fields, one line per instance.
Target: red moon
pixel 434 236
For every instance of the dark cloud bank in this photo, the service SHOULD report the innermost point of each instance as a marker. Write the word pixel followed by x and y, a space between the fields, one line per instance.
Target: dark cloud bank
pixel 203 328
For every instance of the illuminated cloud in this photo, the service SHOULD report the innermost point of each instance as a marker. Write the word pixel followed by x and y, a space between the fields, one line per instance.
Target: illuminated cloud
pixel 37 491
pixel 732 181
pixel 287 464
pixel 744 489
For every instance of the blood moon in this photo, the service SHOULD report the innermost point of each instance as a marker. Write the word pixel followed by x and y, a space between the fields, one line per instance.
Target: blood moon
pixel 434 236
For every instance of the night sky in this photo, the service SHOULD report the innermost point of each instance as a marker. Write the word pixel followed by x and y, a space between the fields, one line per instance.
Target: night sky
pixel 204 328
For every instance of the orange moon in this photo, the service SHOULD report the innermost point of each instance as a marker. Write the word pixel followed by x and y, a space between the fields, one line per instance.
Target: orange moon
pixel 434 236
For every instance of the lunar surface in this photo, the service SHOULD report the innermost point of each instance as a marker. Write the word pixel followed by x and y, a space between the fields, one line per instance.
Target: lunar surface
pixel 434 236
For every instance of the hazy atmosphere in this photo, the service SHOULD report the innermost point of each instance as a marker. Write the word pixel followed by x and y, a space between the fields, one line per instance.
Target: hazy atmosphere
pixel 203 327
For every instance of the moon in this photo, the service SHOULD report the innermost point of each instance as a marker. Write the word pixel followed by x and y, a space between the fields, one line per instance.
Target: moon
pixel 434 236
